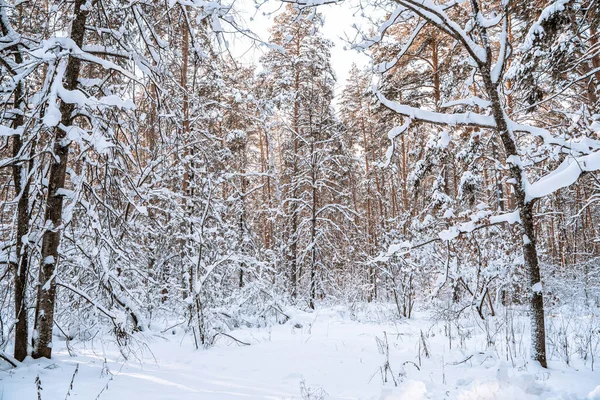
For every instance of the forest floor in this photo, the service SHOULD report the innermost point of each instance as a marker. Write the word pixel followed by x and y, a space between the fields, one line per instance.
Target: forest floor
pixel 328 354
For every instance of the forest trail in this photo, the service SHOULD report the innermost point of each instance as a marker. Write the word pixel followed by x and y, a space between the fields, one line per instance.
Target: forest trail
pixel 323 355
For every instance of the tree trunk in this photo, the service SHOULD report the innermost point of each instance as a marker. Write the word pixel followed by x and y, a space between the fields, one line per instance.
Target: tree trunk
pixel 536 300
pixel 44 312
pixel 293 251
pixel 313 229
pixel 242 219
pixel 21 269
pixel 370 223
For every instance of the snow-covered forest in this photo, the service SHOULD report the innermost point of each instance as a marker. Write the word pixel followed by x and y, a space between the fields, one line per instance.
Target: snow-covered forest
pixel 192 210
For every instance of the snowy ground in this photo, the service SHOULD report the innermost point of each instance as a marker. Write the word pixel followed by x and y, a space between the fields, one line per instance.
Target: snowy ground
pixel 323 355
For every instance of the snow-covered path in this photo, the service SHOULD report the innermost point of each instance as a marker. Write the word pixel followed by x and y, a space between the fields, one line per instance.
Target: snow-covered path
pixel 320 355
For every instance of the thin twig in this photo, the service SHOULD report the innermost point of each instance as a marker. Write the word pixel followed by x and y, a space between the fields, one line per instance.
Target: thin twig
pixel 410 362
pixel 230 337
pixel 461 362
pixel 12 361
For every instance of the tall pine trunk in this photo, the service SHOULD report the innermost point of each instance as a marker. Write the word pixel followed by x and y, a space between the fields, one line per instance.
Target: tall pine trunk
pixel 293 250
pixel 313 228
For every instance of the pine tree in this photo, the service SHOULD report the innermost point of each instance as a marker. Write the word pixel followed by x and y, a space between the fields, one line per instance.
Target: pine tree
pixel 299 71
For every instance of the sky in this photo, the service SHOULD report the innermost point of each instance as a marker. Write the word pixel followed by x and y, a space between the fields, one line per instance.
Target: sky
pixel 339 21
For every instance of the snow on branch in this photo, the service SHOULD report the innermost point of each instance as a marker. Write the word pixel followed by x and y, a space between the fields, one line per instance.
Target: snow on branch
pixel 7 131
pixel 567 173
pixel 385 66
pixel 582 146
pixel 471 101
pixel 312 3
pixel 478 221
pixel 536 29
pixel 436 15
pixel 392 135
pixel 85 296
pixel 436 118
pixel 503 55
pixel 467 227
pixel 45 52
pixel 383 28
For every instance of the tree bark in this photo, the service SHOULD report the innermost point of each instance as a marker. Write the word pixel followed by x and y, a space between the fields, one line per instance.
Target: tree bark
pixel 44 312
pixel 21 269
pixel 313 228
pixel 524 205
pixel 293 250
pixel 536 300
pixel 21 182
